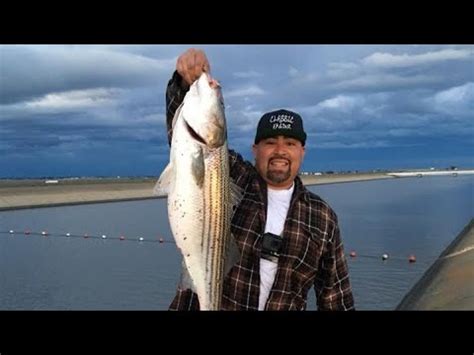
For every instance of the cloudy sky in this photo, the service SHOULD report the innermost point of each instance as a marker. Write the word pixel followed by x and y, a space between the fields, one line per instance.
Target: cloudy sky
pixel 100 110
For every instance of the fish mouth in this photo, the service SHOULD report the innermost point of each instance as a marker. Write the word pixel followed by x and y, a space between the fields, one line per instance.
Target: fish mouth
pixel 194 134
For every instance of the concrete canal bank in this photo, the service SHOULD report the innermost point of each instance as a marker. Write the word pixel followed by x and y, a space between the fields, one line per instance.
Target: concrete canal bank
pixel 20 194
pixel 449 283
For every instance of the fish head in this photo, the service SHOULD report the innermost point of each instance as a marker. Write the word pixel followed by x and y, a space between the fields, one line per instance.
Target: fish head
pixel 203 112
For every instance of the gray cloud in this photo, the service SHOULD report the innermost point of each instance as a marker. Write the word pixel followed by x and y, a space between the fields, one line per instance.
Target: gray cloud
pixel 71 99
pixel 33 71
pixel 248 74
pixel 244 91
pixel 388 60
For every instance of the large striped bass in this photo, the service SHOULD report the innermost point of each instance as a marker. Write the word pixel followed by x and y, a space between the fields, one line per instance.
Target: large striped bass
pixel 199 194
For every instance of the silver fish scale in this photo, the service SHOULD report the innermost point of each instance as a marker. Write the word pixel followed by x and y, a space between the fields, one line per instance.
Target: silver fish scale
pixel 217 214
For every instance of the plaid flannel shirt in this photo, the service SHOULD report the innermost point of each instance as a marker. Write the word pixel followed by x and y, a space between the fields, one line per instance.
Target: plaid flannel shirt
pixel 312 251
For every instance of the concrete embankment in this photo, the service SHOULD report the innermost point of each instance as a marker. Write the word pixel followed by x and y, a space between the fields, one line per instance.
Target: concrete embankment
pixel 35 193
pixel 20 194
pixel 449 283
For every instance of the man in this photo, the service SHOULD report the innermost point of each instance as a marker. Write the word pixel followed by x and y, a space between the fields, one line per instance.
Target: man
pixel 288 237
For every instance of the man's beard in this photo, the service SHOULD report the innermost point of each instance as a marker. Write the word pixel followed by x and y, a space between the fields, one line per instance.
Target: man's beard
pixel 278 176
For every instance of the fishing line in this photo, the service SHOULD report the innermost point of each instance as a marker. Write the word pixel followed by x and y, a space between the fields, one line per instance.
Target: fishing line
pixel 352 255
pixel 27 233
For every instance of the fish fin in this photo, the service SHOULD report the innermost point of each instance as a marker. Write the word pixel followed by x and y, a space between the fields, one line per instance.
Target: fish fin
pixel 186 282
pixel 163 183
pixel 198 168
pixel 236 194
pixel 232 255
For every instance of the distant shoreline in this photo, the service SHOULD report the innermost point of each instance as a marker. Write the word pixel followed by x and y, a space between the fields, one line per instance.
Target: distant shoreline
pixel 36 193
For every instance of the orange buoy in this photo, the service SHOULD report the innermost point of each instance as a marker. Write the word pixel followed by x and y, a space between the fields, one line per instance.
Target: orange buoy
pixel 352 254
pixel 412 258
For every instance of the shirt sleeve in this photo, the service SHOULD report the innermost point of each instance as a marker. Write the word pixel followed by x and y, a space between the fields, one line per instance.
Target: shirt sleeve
pixel 332 285
pixel 241 171
pixel 175 93
pixel 185 300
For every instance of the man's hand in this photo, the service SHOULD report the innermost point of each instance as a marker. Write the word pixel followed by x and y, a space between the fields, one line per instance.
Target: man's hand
pixel 191 64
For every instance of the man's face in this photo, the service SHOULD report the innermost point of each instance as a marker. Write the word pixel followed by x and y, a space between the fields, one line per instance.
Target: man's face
pixel 278 160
